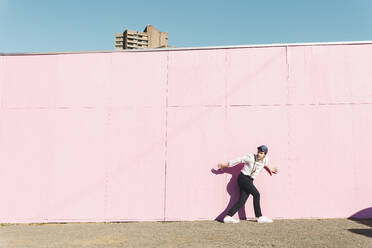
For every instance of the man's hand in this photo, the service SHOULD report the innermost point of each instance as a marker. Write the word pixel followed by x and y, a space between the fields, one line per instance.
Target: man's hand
pixel 222 165
pixel 274 170
pixel 271 170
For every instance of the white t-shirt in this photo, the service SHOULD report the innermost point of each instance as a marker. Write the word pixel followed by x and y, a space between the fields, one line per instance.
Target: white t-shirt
pixel 252 166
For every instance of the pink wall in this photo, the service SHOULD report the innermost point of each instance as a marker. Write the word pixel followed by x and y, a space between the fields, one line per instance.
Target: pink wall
pixel 135 135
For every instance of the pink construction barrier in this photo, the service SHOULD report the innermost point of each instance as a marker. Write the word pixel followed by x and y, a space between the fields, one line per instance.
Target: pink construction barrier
pixel 134 136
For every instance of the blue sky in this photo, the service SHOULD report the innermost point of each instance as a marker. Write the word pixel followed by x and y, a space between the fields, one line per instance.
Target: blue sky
pixel 82 25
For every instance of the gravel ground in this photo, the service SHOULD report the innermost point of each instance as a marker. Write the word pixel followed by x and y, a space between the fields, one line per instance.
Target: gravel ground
pixel 281 233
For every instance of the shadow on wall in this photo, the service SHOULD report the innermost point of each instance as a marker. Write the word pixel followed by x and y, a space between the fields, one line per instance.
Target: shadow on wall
pixel 363 217
pixel 232 189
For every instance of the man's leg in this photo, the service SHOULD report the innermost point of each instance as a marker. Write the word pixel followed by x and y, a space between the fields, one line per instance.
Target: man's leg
pixel 248 186
pixel 251 189
pixel 242 199
pixel 256 201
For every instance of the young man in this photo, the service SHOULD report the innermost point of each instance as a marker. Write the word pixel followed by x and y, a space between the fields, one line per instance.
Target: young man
pixel 253 164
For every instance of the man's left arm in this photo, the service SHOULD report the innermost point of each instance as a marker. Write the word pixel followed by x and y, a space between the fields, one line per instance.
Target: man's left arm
pixel 271 170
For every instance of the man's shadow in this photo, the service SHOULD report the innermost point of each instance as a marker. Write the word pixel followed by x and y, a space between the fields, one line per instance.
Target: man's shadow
pixel 363 217
pixel 233 190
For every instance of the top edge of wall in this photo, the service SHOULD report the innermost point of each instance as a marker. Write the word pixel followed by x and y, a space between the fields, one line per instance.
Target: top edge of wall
pixel 197 48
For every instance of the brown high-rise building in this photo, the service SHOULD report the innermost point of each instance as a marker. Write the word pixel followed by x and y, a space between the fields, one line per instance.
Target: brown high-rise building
pixel 151 37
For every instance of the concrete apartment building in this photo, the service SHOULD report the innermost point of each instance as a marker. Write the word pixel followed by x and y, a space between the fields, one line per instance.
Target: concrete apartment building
pixel 151 37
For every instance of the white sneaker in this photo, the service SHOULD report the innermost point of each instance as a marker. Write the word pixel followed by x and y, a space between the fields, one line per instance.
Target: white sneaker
pixel 229 219
pixel 264 219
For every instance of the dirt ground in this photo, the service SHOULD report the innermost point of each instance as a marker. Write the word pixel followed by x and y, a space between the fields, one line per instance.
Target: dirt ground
pixel 281 233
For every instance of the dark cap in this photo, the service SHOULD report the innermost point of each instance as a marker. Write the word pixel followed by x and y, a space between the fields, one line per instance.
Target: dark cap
pixel 263 148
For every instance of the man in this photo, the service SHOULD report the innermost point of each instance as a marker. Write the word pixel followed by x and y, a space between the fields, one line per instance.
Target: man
pixel 253 164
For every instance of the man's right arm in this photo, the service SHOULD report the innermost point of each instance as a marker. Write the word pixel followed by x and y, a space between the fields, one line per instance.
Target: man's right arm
pixel 233 162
